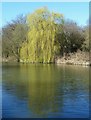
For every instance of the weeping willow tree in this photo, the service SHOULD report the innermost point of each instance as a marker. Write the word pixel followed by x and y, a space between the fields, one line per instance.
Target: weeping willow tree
pixel 42 44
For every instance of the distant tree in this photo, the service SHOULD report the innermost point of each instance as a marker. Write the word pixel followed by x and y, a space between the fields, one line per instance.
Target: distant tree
pixel 42 43
pixel 14 34
pixel 87 42
pixel 72 37
pixel 6 41
pixel 0 43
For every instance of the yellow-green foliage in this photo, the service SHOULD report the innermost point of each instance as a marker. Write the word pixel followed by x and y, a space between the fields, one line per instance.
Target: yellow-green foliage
pixel 42 45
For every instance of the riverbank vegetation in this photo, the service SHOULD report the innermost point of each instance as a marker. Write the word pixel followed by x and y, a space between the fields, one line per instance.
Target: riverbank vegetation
pixel 42 37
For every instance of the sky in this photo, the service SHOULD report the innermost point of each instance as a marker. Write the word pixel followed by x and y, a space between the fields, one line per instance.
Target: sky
pixel 76 11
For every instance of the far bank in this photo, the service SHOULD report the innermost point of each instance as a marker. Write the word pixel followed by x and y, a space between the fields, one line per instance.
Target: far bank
pixel 78 58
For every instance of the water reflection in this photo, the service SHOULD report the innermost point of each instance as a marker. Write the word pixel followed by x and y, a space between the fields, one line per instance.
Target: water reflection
pixel 49 90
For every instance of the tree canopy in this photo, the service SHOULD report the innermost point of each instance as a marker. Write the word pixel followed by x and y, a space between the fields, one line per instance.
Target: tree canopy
pixel 13 35
pixel 42 36
pixel 42 45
